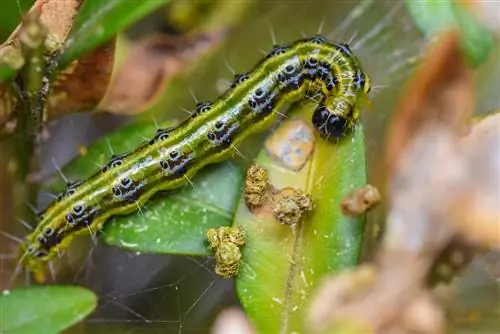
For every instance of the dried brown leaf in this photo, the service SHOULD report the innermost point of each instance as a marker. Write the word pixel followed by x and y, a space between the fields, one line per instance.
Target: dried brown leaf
pixel 441 91
pixel 56 15
pixel 425 168
pixel 83 84
pixel 152 63
pixel 476 211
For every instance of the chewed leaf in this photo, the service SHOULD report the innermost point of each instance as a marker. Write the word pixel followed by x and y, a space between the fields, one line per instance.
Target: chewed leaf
pixel 174 222
pixel 49 309
pixel 280 268
pixel 98 21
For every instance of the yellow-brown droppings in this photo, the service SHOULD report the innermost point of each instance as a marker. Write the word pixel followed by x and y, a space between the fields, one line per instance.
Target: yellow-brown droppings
pixel 225 242
pixel 290 208
pixel 303 200
pixel 360 201
pixel 213 238
pixel 225 234
pixel 228 257
pixel 256 186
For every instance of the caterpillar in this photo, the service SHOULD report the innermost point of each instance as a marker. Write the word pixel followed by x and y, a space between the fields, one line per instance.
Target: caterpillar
pixel 306 68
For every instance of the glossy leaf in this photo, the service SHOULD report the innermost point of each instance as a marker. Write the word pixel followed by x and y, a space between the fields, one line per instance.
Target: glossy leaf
pixel 48 309
pixel 98 21
pixel 177 223
pixel 169 223
pixel 433 16
pixel 281 268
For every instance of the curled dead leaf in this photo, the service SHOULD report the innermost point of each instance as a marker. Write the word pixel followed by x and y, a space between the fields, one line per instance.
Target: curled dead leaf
pixel 82 85
pixel 56 15
pixel 441 91
pixel 422 189
pixel 425 168
pixel 152 63
pixel 476 213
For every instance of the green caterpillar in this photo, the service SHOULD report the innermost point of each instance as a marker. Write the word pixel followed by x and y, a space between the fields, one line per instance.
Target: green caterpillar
pixel 306 68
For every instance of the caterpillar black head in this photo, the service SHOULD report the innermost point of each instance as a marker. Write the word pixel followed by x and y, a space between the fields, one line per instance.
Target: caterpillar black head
pixel 330 125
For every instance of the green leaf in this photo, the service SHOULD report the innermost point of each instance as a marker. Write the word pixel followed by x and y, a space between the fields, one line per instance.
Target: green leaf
pixel 168 223
pixel 6 72
pixel 177 223
pixel 281 268
pixel 48 309
pixel 433 16
pixel 10 15
pixel 98 21
pixel 477 39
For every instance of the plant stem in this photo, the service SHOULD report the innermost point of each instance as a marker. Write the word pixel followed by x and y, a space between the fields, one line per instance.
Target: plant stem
pixel 30 109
